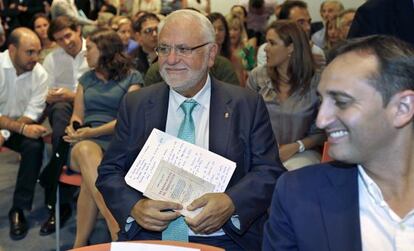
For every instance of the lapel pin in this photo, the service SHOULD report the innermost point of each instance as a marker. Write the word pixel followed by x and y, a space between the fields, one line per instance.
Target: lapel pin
pixel 226 115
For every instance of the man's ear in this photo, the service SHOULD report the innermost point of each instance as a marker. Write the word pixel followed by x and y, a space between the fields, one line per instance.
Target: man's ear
pixel 79 30
pixel 12 50
pixel 212 55
pixel 404 107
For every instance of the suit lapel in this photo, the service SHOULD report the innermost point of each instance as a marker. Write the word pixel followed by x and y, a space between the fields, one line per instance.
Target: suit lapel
pixel 340 208
pixel 221 117
pixel 156 110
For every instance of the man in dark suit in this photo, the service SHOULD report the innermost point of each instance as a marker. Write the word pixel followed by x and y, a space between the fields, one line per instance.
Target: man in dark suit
pixel 365 201
pixel 388 17
pixel 229 121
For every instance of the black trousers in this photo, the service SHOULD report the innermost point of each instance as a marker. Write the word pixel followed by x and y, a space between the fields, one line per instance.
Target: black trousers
pixel 59 115
pixel 31 152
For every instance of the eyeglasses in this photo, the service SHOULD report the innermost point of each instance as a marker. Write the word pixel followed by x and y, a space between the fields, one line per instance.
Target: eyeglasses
pixel 180 50
pixel 150 30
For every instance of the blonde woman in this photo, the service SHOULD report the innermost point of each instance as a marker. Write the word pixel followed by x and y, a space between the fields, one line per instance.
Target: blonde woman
pixel 243 53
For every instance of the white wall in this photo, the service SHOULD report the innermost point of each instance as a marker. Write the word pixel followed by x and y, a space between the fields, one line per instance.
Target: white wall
pixel 223 6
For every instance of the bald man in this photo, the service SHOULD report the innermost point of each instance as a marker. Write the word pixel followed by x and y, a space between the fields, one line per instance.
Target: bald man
pixel 23 79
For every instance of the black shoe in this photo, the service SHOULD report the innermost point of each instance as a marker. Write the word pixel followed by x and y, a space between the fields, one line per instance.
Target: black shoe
pixel 18 224
pixel 49 226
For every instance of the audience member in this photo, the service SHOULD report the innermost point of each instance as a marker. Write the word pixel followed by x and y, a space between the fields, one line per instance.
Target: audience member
pixel 145 33
pixel 40 25
pixel 222 33
pixel 329 10
pixel 388 17
pixel 241 12
pixel 97 100
pixel 243 54
pixel 332 35
pixel 229 121
pixel 123 26
pixel 259 12
pixel 24 88
pixel 64 66
pixel 365 201
pixel 288 84
pixel 297 10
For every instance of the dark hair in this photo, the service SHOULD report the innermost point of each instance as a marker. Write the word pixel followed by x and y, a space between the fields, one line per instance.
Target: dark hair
pixel 60 23
pixel 301 66
pixel 288 5
pixel 256 4
pixel 37 16
pixel 112 60
pixel 137 24
pixel 14 38
pixel 225 47
pixel 108 8
pixel 395 58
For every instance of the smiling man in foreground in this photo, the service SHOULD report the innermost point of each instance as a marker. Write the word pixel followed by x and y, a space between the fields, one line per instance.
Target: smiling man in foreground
pixel 365 201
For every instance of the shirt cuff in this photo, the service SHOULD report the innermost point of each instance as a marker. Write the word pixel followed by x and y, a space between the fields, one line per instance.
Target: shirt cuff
pixel 235 221
pixel 129 222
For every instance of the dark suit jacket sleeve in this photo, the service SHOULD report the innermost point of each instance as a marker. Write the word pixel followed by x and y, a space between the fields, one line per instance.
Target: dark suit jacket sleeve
pixel 252 194
pixel 119 197
pixel 278 230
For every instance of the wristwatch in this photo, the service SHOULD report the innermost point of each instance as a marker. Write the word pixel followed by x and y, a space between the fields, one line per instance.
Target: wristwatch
pixel 5 133
pixel 301 146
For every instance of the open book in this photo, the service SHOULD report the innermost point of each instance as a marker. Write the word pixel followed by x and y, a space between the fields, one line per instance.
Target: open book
pixel 171 169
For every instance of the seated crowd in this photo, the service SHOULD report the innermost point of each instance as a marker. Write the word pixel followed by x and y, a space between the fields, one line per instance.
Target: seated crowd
pixel 265 89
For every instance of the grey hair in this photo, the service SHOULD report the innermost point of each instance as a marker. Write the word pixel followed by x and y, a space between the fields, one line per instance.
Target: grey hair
pixel 202 23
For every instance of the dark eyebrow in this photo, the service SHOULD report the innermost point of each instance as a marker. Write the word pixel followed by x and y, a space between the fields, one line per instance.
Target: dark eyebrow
pixel 338 94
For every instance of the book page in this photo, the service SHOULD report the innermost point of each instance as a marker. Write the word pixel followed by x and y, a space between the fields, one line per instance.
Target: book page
pixel 170 183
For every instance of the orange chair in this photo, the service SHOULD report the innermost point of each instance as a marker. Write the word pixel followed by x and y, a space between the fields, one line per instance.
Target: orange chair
pixel 325 155
pixel 74 180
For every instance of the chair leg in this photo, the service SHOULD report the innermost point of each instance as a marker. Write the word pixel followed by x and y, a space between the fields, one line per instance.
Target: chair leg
pixel 57 217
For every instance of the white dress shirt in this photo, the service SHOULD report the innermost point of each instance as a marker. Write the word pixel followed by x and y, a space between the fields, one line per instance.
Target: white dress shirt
pixel 63 69
pixel 381 227
pixel 23 95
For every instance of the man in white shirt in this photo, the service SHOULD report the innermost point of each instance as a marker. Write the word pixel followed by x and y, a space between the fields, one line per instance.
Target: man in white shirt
pixel 64 66
pixel 23 85
pixel 364 200
pixel 227 120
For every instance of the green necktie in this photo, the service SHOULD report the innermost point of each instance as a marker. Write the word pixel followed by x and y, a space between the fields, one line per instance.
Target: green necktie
pixel 177 230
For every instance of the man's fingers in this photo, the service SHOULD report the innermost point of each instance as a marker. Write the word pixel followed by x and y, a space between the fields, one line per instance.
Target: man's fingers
pixel 165 205
pixel 197 203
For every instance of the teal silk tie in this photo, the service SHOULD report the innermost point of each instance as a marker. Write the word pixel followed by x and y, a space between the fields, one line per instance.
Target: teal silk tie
pixel 177 230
